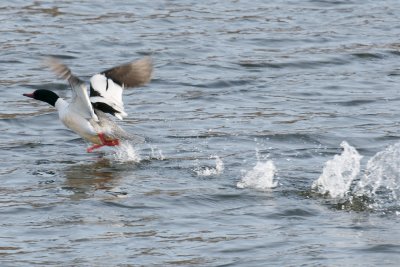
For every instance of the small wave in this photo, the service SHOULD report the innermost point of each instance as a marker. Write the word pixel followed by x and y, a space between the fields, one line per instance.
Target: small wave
pixel 303 64
pixel 217 170
pixel 352 103
pixel 339 173
pixel 366 55
pixel 260 177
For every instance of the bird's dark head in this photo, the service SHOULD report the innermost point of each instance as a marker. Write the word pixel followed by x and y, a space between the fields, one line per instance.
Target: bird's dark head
pixel 44 95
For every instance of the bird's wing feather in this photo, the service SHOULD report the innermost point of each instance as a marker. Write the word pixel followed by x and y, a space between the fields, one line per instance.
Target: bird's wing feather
pixel 106 88
pixel 106 95
pixel 80 102
pixel 135 73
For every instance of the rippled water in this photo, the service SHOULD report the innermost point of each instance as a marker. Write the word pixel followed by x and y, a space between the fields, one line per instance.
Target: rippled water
pixel 272 134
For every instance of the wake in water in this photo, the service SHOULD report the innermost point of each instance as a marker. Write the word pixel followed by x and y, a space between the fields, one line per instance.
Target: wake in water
pixel 378 188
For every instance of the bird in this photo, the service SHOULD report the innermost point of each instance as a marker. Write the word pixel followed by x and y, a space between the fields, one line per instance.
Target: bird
pixel 90 115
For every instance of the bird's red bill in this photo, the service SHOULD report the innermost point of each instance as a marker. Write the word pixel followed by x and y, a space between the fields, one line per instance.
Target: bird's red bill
pixel 28 95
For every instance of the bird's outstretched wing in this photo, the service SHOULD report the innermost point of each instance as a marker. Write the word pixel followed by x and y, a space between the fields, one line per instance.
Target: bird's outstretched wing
pixel 106 87
pixel 80 102
pixel 131 74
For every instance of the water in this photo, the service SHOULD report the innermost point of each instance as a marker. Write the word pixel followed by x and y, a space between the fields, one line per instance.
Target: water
pixel 251 104
pixel 260 177
pixel 339 173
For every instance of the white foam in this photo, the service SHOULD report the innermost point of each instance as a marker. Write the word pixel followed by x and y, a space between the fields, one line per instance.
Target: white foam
pixel 260 177
pixel 219 168
pixel 339 173
pixel 125 152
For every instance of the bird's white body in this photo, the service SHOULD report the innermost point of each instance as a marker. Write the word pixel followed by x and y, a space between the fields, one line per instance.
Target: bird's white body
pixel 73 120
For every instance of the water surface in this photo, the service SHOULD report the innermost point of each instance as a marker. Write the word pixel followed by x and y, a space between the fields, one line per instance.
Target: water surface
pixel 245 162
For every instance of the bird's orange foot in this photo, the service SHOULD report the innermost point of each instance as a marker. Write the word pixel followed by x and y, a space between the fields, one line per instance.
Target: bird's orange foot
pixel 90 149
pixel 105 142
pixel 114 142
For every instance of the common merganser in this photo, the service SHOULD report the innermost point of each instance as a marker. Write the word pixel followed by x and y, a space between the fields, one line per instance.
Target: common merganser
pixel 86 114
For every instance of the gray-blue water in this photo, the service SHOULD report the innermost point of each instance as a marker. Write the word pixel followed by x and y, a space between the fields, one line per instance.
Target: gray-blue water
pixel 244 118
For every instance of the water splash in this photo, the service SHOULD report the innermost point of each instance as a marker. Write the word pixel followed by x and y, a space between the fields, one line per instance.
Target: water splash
pixel 125 152
pixel 157 153
pixel 339 173
pixel 260 177
pixel 381 181
pixel 219 168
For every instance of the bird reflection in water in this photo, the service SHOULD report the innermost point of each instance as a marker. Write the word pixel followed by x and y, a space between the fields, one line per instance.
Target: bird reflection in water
pixel 85 179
